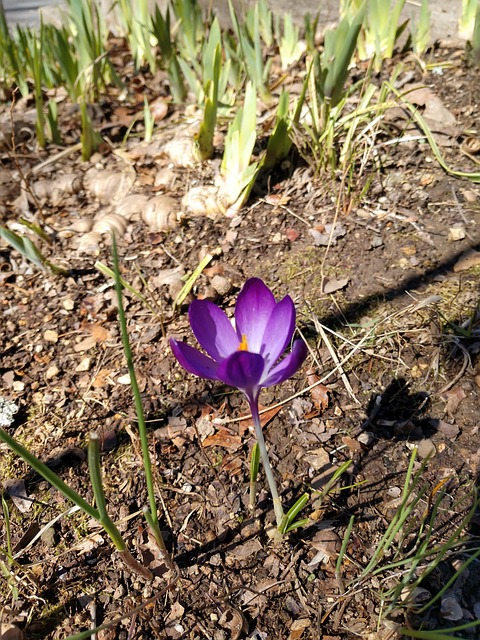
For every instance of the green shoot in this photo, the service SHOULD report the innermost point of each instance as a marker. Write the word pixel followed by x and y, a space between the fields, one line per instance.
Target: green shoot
pixel 254 467
pixel 420 121
pixel 237 172
pixel 310 28
pixel 90 139
pixel 265 20
pixel 467 18
pixel 204 138
pixel 148 120
pixel 37 80
pixel 136 21
pixel 290 46
pixel 187 287
pixel 421 31
pixel 97 514
pixel 52 122
pixel 161 30
pixel 30 251
pixel 280 142
pixel 289 523
pixel 190 27
pixel 334 64
pixel 151 514
pixel 476 38
pixel 250 52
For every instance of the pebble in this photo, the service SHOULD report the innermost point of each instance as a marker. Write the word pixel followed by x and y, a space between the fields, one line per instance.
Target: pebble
pixel 52 372
pixel 221 285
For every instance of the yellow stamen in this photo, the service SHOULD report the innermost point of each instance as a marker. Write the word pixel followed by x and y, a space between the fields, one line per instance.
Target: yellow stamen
pixel 243 346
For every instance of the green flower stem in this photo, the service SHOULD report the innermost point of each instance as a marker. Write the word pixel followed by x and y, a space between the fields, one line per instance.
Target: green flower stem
pixel 49 475
pixel 277 505
pixel 105 520
pixel 147 465
pixel 97 486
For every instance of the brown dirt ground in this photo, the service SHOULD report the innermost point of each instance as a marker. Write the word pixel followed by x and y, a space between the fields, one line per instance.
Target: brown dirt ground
pixel 414 380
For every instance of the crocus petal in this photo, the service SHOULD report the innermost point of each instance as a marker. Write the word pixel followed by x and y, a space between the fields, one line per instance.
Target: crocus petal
pixel 279 331
pixel 213 329
pixel 288 365
pixel 194 360
pixel 243 370
pixel 255 304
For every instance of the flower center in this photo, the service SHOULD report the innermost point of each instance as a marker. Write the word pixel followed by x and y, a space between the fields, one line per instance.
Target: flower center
pixel 243 346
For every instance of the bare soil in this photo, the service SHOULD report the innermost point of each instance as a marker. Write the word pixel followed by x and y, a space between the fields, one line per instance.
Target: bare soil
pixel 397 286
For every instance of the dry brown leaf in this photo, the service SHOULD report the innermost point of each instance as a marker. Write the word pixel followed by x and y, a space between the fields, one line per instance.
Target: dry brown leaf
pixel 10 631
pixel 325 235
pixel 158 109
pixel 333 284
pixel 265 418
pixel 453 397
pixel 319 393
pixel 18 493
pixel 449 430
pixel 97 331
pixel 467 260
pixel 298 627
pixel 101 380
pixel 353 445
pixel 222 438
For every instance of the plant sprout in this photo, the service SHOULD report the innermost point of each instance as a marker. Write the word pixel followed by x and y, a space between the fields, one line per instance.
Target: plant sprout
pixel 247 357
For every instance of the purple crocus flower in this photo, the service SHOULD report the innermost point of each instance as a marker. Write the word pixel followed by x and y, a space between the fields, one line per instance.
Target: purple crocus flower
pixel 247 356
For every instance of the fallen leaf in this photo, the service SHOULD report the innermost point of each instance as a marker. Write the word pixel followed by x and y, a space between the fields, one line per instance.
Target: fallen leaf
pixel 18 493
pixel 319 393
pixel 292 234
pixel 102 379
pixel 298 627
pixel 222 438
pixel 453 397
pixel 98 332
pixel 265 418
pixel 467 260
pixel 10 632
pixel 354 446
pixel 449 430
pixel 333 284
pixel 328 234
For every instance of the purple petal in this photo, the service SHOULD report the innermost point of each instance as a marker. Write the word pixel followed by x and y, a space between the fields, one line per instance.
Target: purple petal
pixel 193 360
pixel 254 307
pixel 212 329
pixel 243 370
pixel 279 331
pixel 288 365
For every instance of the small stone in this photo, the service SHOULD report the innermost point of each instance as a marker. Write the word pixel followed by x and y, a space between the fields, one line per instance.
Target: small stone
pixel 68 304
pixel 50 336
pixel 451 609
pixel 83 366
pixel 456 233
pixel 366 438
pixel 18 385
pixel 52 371
pixel 221 285
pixel 426 448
